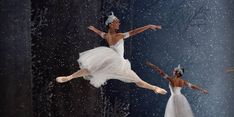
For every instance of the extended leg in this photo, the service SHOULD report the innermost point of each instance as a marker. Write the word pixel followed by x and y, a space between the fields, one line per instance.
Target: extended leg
pixel 80 73
pixel 146 85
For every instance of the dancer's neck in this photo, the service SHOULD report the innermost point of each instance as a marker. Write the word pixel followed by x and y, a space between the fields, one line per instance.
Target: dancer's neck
pixel 112 31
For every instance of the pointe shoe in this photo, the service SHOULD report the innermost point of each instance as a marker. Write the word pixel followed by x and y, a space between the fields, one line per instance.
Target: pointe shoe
pixel 63 79
pixel 160 90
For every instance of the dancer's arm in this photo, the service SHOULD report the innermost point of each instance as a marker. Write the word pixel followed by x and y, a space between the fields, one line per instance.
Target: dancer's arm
pixel 230 70
pixel 100 33
pixel 195 87
pixel 141 29
pixel 157 69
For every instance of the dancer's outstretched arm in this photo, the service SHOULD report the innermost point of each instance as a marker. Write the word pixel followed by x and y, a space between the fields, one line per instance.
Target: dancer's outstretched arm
pixel 100 33
pixel 157 69
pixel 142 29
pixel 230 70
pixel 195 87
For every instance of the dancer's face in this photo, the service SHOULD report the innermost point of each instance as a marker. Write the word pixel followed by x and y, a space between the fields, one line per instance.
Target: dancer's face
pixel 177 74
pixel 115 24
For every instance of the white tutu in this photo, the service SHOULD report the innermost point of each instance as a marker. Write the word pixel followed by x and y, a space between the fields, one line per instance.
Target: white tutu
pixel 106 63
pixel 177 105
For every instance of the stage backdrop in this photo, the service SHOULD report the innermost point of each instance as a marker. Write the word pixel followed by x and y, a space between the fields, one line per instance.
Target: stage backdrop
pixel 15 59
pixel 196 34
pixel 35 50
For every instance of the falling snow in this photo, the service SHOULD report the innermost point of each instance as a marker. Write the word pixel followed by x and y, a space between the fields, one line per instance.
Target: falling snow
pixel 197 34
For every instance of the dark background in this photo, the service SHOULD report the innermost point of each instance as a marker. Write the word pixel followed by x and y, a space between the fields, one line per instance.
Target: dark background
pixel 41 40
pixel 15 62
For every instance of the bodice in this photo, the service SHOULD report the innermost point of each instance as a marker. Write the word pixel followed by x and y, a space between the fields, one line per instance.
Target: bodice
pixel 175 90
pixel 119 47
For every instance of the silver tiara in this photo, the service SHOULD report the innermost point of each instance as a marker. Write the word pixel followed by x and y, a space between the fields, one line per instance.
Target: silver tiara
pixel 110 18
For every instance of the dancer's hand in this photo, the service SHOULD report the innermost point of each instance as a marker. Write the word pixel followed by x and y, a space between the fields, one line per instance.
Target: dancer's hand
pixel 154 27
pixel 205 91
pixel 91 28
pixel 149 64
pixel 156 68
pixel 229 70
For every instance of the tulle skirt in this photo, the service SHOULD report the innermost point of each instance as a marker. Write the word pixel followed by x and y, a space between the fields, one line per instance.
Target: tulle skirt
pixel 104 63
pixel 178 106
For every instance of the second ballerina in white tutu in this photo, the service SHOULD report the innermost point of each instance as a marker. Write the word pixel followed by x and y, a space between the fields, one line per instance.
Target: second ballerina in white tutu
pixel 177 105
pixel 104 63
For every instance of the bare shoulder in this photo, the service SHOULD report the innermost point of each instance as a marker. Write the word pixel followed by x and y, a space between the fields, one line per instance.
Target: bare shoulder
pixel 107 36
pixel 118 36
pixel 170 78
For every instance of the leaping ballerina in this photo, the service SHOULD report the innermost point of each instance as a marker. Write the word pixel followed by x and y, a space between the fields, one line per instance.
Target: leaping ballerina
pixel 177 105
pixel 104 63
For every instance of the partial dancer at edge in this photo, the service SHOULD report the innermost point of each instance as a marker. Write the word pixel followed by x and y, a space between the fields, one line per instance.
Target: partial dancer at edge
pixel 177 105
pixel 231 69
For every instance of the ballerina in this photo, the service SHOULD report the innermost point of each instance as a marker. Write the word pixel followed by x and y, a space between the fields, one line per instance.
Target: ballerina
pixel 177 105
pixel 104 63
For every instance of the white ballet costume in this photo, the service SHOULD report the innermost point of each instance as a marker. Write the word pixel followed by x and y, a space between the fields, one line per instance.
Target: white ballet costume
pixel 104 63
pixel 177 105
